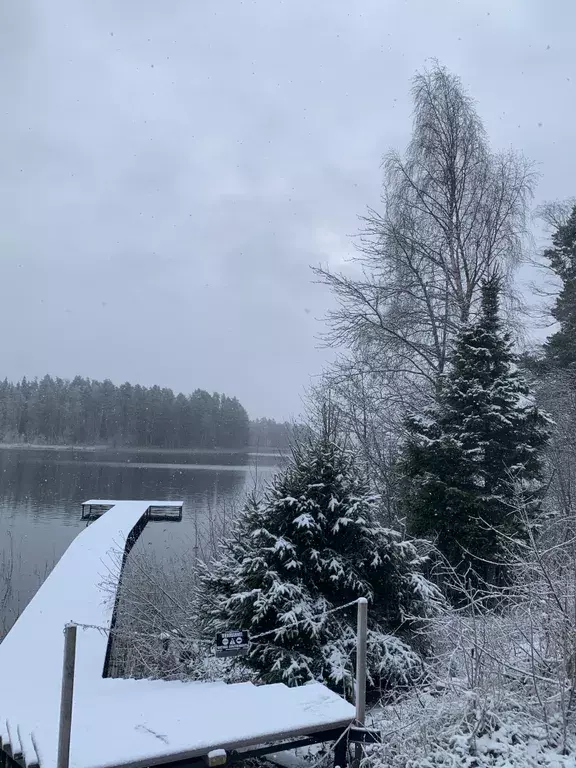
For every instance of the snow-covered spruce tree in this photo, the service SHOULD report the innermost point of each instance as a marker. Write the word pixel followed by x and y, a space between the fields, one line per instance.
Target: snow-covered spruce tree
pixel 312 544
pixel 560 348
pixel 472 462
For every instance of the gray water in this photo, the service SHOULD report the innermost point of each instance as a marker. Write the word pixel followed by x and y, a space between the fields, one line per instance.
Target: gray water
pixel 41 491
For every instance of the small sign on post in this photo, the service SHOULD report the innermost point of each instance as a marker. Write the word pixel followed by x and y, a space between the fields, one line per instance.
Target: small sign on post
pixel 235 642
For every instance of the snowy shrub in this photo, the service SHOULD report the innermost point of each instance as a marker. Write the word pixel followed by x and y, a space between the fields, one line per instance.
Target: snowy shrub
pixel 311 544
pixel 456 729
pixel 501 687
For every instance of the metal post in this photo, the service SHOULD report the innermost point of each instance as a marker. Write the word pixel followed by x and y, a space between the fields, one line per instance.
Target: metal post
pixel 67 696
pixel 361 638
pixel 341 751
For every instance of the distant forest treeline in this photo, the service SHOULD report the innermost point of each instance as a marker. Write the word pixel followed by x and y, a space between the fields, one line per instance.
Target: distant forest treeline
pixel 266 434
pixel 88 412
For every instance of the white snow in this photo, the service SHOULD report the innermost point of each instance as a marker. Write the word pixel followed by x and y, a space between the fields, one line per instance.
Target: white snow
pixel 163 723
pixel 128 722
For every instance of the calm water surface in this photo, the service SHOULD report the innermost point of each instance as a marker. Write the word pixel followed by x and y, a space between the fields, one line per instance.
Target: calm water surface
pixel 41 491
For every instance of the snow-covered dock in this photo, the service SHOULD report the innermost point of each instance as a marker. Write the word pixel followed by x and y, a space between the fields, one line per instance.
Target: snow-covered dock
pixel 132 723
pixel 157 510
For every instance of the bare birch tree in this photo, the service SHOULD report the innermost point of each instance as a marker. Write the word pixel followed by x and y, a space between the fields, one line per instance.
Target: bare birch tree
pixel 451 211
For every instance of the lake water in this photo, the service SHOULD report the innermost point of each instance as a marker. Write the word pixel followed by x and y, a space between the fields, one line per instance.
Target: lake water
pixel 41 491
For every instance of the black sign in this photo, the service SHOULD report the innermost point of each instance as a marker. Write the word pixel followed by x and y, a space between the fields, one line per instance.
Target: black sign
pixel 232 643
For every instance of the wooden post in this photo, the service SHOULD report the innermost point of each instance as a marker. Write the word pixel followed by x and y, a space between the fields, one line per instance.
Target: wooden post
pixel 361 639
pixel 67 696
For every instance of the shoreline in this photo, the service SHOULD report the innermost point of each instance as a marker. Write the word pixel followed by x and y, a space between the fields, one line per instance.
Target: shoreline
pixel 249 451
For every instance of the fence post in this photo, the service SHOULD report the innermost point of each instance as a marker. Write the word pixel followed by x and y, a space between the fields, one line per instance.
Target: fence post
pixel 361 639
pixel 67 696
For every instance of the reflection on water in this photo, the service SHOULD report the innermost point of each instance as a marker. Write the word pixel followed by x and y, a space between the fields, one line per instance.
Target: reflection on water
pixel 41 492
pixel 162 465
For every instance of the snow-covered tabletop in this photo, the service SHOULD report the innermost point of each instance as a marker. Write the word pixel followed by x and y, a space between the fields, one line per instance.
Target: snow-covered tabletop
pixel 128 722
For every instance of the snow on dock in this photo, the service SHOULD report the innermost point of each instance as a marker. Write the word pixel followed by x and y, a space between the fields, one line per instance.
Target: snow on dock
pixel 129 723
pixel 157 510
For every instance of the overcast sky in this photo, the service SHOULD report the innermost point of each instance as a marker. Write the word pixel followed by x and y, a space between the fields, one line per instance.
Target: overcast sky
pixel 171 168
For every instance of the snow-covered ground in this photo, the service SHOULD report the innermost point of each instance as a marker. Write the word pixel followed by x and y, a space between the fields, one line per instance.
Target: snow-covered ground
pixel 498 696
pixel 468 728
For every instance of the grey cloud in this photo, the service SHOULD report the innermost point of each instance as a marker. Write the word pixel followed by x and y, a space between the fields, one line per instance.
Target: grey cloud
pixel 170 170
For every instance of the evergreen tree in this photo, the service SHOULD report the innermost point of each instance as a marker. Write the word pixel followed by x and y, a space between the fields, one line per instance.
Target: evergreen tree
pixel 86 411
pixel 310 545
pixel 473 461
pixel 561 346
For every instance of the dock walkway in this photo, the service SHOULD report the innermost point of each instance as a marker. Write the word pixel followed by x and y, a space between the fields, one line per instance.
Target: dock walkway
pixel 129 723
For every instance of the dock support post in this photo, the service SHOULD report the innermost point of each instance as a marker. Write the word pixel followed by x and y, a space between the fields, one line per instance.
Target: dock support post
pixel 67 696
pixel 341 751
pixel 361 640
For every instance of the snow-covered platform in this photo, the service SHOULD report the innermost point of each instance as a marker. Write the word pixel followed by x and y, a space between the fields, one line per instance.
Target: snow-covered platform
pixel 157 510
pixel 132 723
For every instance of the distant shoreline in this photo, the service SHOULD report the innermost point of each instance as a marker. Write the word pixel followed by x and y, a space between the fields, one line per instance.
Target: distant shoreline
pixel 136 449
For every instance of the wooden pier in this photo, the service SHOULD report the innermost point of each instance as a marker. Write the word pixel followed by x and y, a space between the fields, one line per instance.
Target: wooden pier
pixel 119 723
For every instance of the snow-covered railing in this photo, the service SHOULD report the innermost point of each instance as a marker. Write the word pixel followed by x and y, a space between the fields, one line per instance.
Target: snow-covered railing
pixel 129 723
